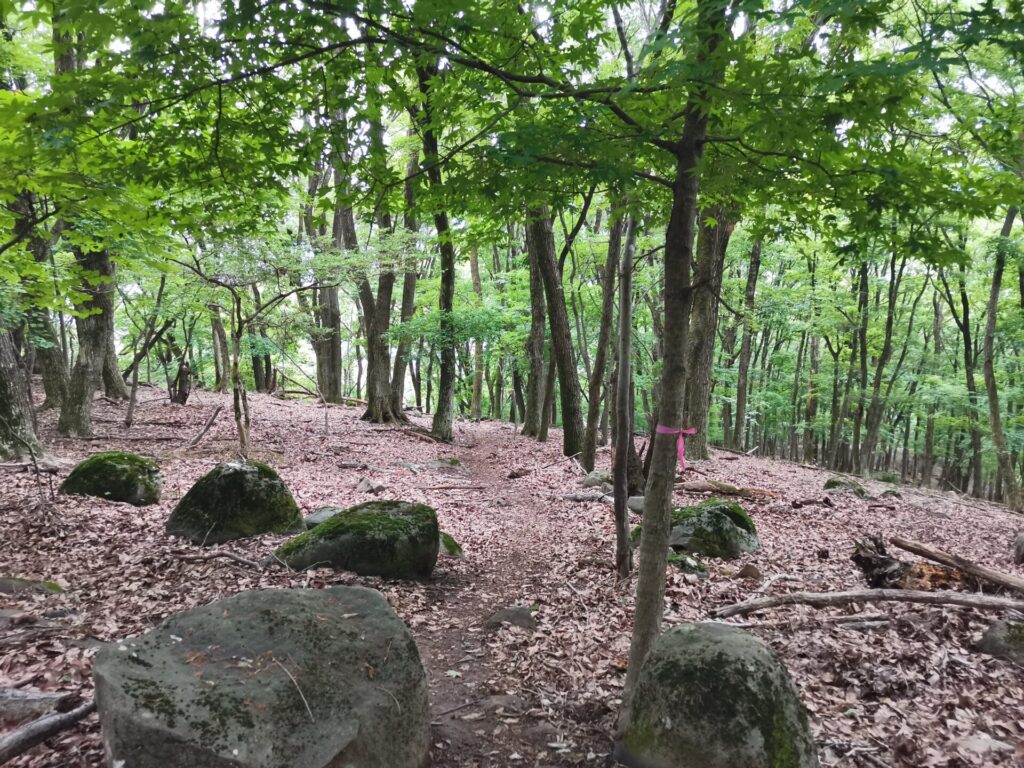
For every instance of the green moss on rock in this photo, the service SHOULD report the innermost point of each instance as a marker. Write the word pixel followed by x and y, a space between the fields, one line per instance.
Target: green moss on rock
pixel 117 476
pixel 450 545
pixel 715 528
pixel 393 539
pixel 712 696
pixel 232 501
pixel 839 483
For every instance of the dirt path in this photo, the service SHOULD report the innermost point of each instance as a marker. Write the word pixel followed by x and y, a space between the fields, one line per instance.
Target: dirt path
pixel 481 718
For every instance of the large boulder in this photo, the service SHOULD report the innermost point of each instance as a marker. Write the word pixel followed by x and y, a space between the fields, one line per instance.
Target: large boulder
pixel 713 528
pixel 117 476
pixel 393 539
pixel 232 501
pixel 840 483
pixel 713 696
pixel 300 678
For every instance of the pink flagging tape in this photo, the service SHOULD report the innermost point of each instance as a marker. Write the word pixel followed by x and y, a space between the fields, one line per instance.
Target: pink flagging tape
pixel 681 432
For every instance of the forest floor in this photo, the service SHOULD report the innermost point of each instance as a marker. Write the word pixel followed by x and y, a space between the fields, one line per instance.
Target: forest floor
pixel 909 690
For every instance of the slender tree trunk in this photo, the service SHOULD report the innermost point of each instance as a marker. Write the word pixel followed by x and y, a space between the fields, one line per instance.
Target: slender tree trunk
pixel 408 291
pixel 478 343
pixel 678 297
pixel 739 436
pixel 549 397
pixel 597 373
pixel 445 413
pixel 1009 478
pixel 535 392
pixel 623 399
pixel 541 240
pixel 221 357
pixel 716 225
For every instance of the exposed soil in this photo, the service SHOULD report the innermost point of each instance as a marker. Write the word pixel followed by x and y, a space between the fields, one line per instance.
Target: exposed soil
pixel 905 690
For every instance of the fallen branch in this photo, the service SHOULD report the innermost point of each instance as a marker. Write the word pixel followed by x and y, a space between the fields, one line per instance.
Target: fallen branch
pixel 982 572
pixel 716 486
pixel 185 555
pixel 594 496
pixel 40 730
pixel 453 488
pixel 827 599
pixel 206 427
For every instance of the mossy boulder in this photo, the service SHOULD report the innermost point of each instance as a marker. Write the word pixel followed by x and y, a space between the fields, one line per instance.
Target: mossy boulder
pixel 1004 640
pixel 713 696
pixel 117 476
pixel 232 501
pixel 688 564
pixel 839 483
pixel 393 539
pixel 714 528
pixel 12 585
pixel 450 546
pixel 304 678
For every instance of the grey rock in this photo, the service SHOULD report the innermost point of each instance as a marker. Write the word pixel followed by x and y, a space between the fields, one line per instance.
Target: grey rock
pixel 596 479
pixel 635 504
pixel 321 515
pixel 265 679
pixel 366 485
pixel 520 616
pixel 714 528
pixel 450 546
pixel 232 501
pixel 713 696
pixel 11 585
pixel 393 539
pixel 839 483
pixel 1004 640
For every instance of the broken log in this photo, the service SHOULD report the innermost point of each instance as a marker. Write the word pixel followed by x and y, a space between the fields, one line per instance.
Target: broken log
pixel 828 599
pixel 38 731
pixel 982 572
pixel 881 571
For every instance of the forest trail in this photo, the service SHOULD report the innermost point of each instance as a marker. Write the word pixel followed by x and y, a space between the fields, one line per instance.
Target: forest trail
pixel 544 697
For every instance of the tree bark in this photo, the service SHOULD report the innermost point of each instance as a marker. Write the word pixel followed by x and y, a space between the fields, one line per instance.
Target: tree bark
pixel 535 382
pixel 597 373
pixel 1009 477
pixel 93 341
pixel 408 291
pixel 445 413
pixel 715 228
pixel 623 397
pixel 478 343
pixel 738 439
pixel 541 239
pixel 678 297
pixel 17 437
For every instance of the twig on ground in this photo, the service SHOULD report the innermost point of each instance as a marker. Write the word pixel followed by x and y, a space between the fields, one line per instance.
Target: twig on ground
pixel 297 688
pixel 826 599
pixel 38 731
pixel 195 557
pixel 206 427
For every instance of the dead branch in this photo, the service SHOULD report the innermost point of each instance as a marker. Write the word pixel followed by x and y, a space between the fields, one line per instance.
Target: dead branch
pixel 827 599
pixel 453 488
pixel 39 730
pixel 193 557
pixel 1007 580
pixel 206 427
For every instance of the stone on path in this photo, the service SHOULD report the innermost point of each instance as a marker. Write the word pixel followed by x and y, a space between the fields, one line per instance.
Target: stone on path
pixel 317 678
pixel 713 696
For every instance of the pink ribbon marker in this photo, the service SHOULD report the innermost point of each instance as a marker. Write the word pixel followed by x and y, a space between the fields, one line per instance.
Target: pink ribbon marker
pixel 681 432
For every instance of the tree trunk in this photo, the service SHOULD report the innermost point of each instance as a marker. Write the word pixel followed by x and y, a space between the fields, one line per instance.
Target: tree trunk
pixel 715 228
pixel 221 357
pixel 548 405
pixel 17 437
pixel 478 343
pixel 535 392
pixel 678 297
pixel 597 373
pixel 1009 477
pixel 408 292
pixel 623 396
pixel 738 440
pixel 541 240
pixel 93 340
pixel 445 414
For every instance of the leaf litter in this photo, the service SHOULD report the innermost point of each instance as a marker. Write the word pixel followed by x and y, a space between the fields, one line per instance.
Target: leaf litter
pixel 893 685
